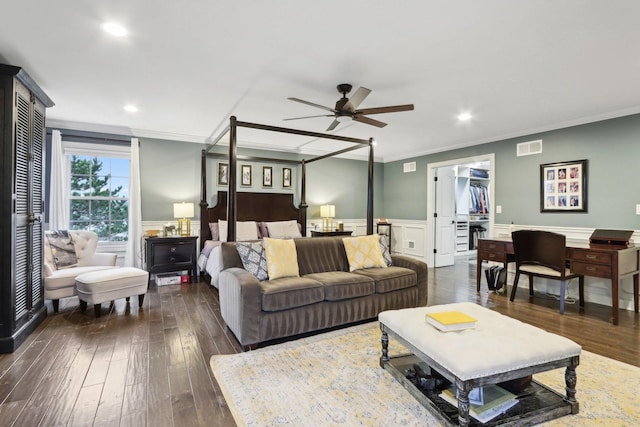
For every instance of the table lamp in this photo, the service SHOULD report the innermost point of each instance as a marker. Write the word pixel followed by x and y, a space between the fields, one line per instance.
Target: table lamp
pixel 327 212
pixel 184 212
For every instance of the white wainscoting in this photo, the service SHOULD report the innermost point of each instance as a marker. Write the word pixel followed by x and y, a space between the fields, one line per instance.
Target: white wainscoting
pixel 408 237
pixel 596 290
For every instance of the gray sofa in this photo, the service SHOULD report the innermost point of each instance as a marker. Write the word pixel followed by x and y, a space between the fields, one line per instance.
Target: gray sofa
pixel 325 295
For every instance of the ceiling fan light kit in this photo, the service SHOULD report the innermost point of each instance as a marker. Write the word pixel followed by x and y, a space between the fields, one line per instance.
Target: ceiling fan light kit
pixel 347 109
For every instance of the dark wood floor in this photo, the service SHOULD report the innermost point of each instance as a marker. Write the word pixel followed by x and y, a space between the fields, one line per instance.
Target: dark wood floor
pixel 150 367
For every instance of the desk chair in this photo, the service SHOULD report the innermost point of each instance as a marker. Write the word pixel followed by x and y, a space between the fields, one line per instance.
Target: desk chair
pixel 542 254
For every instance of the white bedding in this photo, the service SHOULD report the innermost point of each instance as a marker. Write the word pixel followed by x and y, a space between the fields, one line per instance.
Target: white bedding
pixel 209 260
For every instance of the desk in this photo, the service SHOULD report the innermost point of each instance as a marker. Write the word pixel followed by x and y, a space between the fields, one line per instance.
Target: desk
pixel 607 262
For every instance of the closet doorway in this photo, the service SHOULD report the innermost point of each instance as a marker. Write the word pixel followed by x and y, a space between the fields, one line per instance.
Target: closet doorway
pixel 471 200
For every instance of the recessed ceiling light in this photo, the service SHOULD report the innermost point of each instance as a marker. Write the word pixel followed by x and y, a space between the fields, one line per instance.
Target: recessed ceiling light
pixel 114 29
pixel 131 108
pixel 464 117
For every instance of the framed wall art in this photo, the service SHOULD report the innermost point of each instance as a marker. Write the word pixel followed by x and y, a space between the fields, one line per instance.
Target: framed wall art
pixel 223 174
pixel 286 177
pixel 267 176
pixel 245 175
pixel 563 186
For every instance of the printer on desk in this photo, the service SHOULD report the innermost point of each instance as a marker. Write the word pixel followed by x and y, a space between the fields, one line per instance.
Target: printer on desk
pixel 609 238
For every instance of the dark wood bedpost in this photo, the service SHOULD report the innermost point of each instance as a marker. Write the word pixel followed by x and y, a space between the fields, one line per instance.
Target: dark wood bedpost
pixel 370 190
pixel 203 199
pixel 231 194
pixel 303 199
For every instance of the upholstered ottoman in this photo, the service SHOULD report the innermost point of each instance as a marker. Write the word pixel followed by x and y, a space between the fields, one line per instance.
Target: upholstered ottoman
pixel 108 285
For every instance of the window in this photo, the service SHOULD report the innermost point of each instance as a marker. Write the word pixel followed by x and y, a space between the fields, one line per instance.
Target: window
pixel 99 191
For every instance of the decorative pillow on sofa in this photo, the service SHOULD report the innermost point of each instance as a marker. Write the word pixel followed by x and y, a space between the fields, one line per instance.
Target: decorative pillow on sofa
pixel 283 229
pixel 386 254
pixel 282 258
pixel 245 230
pixel 363 252
pixel 253 258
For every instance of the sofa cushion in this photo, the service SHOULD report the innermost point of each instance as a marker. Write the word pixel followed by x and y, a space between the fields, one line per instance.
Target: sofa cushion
pixel 363 252
pixel 340 285
pixel 282 259
pixel 391 278
pixel 290 292
pixel 321 254
pixel 253 258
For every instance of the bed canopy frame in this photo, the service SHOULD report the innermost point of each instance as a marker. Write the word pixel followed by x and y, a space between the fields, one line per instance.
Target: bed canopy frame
pixel 233 157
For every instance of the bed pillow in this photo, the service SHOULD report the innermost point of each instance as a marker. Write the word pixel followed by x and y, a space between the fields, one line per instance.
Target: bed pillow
pixel 245 230
pixel 386 254
pixel 215 230
pixel 282 258
pixel 253 258
pixel 363 252
pixel 262 229
pixel 283 229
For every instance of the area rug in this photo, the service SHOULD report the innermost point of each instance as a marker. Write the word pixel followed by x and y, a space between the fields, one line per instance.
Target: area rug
pixel 335 379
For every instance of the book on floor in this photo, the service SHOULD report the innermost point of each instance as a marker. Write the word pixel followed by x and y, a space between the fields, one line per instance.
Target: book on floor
pixel 450 320
pixel 496 401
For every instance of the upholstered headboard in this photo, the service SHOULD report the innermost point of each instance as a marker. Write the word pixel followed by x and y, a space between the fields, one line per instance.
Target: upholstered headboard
pixel 251 207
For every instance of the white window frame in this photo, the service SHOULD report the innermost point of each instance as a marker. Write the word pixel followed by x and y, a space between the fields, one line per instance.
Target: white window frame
pixel 71 148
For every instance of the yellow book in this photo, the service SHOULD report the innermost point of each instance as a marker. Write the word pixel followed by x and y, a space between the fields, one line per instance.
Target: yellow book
pixel 451 320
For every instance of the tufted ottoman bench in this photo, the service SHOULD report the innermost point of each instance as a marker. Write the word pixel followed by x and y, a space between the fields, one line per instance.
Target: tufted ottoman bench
pixel 108 285
pixel 497 349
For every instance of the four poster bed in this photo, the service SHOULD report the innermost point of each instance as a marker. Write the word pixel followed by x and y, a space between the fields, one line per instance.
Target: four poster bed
pixel 236 209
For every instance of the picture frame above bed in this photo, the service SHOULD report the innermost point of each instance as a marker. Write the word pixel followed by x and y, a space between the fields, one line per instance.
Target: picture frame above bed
pixel 286 177
pixel 267 176
pixel 245 175
pixel 223 174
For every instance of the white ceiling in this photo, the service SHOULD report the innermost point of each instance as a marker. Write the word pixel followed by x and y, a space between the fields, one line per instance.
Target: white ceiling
pixel 518 66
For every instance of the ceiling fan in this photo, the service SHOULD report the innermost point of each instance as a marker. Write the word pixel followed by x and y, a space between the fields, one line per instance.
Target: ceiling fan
pixel 346 108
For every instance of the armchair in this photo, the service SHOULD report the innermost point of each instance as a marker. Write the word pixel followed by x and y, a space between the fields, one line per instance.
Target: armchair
pixel 68 254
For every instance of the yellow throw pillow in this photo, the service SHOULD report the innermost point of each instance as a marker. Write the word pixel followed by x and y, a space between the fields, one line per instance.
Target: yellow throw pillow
pixel 363 252
pixel 282 258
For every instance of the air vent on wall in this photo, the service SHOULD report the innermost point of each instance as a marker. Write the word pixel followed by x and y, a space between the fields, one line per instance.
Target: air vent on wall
pixel 530 147
pixel 409 167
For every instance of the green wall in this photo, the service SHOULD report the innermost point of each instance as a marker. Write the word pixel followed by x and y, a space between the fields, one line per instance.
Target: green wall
pixel 612 148
pixel 170 172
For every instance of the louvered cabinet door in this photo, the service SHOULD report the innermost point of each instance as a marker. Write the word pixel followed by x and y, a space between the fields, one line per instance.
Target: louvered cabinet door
pixel 22 253
pixel 35 237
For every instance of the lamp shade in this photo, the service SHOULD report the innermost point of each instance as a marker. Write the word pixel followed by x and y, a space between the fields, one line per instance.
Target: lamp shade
pixel 327 211
pixel 183 210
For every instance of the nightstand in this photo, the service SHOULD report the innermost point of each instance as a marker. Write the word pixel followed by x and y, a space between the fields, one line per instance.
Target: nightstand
pixel 315 233
pixel 165 254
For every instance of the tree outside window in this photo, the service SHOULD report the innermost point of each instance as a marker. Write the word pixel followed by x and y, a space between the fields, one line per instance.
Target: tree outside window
pixel 100 196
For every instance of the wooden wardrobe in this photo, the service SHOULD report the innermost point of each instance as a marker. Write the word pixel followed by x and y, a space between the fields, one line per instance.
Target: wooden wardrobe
pixel 22 136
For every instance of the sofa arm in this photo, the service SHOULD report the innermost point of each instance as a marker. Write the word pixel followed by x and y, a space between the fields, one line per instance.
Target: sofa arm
pixel 241 304
pixel 421 269
pixel 104 259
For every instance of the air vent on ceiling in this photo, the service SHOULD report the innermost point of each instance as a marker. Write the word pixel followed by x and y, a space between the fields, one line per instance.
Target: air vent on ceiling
pixel 409 167
pixel 530 147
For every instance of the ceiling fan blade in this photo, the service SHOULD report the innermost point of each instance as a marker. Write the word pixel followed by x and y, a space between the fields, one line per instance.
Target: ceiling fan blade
pixel 333 125
pixel 309 117
pixel 369 121
pixel 359 96
pixel 390 109
pixel 313 104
